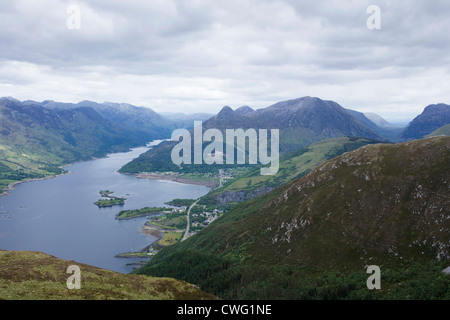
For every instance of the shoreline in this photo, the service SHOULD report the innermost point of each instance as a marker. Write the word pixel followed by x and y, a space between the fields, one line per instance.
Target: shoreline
pixel 150 230
pixel 149 176
pixel 12 186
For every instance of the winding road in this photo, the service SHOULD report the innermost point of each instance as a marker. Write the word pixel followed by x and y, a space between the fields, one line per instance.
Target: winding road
pixel 188 220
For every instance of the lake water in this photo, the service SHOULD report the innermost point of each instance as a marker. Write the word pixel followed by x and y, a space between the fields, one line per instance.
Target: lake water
pixel 58 216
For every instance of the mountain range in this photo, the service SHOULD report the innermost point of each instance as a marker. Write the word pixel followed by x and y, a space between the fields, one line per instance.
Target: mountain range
pixel 301 122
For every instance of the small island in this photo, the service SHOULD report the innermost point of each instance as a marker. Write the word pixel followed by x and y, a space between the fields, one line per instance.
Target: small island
pixel 109 200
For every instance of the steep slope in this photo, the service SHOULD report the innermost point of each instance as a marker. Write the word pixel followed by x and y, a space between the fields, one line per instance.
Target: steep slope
pixel 432 118
pixel 385 205
pixel 28 275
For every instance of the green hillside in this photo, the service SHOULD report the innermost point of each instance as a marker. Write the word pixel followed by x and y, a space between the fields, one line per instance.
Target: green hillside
pixel 384 205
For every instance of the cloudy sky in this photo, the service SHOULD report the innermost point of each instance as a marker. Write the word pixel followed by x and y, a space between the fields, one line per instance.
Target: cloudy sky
pixel 199 55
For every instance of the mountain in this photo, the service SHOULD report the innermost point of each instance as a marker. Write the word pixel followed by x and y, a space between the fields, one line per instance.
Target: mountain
pixel 29 275
pixel 301 122
pixel 141 121
pixel 432 118
pixel 378 120
pixel 292 166
pixel 382 204
pixel 244 110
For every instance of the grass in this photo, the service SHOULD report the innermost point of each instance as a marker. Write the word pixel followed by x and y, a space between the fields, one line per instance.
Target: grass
pixel 169 238
pixel 173 220
pixel 27 275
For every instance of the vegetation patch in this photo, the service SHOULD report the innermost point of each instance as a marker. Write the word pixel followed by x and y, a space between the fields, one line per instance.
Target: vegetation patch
pixel 128 214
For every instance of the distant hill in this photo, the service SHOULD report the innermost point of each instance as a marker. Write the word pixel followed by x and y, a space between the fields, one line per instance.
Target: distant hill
pixel 378 120
pixel 382 204
pixel 29 275
pixel 432 118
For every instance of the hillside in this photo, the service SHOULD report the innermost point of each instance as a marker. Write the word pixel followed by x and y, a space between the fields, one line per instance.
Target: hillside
pixel 28 275
pixel 384 205
pixel 292 166
pixel 432 118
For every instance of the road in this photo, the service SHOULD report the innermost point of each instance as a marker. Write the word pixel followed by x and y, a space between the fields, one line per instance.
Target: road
pixel 188 220
pixel 220 177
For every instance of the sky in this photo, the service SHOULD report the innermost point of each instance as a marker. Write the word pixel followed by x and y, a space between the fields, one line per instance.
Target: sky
pixel 200 55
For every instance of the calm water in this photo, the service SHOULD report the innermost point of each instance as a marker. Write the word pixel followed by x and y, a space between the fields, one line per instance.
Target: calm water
pixel 58 217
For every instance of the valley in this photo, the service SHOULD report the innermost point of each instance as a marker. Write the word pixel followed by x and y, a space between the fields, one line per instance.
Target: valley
pixel 348 193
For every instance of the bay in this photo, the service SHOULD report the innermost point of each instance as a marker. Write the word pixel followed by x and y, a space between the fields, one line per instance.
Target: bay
pixel 58 216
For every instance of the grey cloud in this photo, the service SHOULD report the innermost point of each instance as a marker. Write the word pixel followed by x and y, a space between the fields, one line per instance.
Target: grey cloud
pixel 254 51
